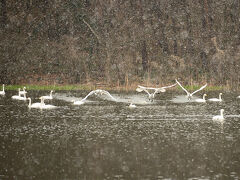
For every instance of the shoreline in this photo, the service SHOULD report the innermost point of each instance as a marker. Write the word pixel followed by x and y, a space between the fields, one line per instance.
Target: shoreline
pixel 90 87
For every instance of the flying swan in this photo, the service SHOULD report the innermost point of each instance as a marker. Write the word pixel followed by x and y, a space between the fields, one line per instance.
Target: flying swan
pixel 190 95
pixel 217 99
pixel 151 96
pixel 3 91
pixel 97 92
pixel 201 100
pixel 219 117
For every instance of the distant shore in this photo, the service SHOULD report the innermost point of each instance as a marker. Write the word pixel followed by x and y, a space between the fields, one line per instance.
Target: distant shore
pixel 104 86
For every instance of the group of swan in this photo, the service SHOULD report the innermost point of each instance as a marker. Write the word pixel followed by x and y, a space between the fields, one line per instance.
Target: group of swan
pixel 22 96
pixel 41 105
pixel 189 96
pixel 211 99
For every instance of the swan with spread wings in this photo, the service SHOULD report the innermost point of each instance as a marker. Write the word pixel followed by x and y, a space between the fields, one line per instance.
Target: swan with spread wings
pixel 190 95
pixel 151 96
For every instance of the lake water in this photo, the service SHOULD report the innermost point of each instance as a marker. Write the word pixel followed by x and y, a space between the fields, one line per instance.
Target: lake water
pixel 169 138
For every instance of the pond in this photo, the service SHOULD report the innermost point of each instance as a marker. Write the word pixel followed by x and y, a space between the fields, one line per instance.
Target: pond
pixel 104 139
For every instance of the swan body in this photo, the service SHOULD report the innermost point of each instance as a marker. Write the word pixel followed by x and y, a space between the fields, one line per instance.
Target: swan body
pixel 219 117
pixel 216 99
pixel 46 106
pixel 48 97
pixel 151 96
pixel 190 95
pixel 201 100
pixel 3 91
pixel 35 105
pixel 132 105
pixel 78 102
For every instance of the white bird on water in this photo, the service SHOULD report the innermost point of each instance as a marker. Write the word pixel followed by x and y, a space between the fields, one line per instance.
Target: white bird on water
pixel 190 95
pixel 19 97
pixel 219 117
pixel 35 105
pixel 23 91
pixel 48 97
pixel 151 96
pixel 97 92
pixel 217 99
pixel 201 100
pixel 132 105
pixel 3 90
pixel 46 106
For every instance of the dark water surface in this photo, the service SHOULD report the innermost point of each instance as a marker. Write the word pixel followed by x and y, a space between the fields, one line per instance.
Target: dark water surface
pixel 103 139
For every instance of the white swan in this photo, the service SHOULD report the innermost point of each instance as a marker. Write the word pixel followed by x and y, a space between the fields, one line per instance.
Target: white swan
pixel 219 117
pixel 35 105
pixel 46 106
pixel 19 97
pixel 97 92
pixel 23 91
pixel 151 96
pixel 3 91
pixel 48 97
pixel 132 105
pixel 217 99
pixel 189 95
pixel 201 100
pixel 78 102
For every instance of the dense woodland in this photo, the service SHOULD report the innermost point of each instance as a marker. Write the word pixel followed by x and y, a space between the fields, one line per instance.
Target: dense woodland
pixel 120 42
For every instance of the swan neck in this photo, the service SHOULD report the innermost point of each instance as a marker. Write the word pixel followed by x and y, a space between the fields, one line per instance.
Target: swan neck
pixel 221 113
pixel 30 102
pixel 220 96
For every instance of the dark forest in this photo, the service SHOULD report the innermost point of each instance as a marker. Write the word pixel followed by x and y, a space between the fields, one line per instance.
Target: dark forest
pixel 120 42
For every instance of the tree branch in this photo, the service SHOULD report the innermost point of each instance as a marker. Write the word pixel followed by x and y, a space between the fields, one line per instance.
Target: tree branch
pixel 99 40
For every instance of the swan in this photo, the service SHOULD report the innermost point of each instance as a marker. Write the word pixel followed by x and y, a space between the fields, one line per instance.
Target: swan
pixel 97 92
pixel 35 105
pixel 22 92
pixel 219 117
pixel 78 102
pixel 19 97
pixel 48 97
pixel 132 105
pixel 46 106
pixel 151 96
pixel 3 91
pixel 189 95
pixel 201 100
pixel 217 99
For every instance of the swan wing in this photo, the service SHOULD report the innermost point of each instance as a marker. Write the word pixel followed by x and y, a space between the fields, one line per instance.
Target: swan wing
pixel 169 86
pixel 182 86
pixel 199 89
pixel 89 94
pixel 109 95
pixel 142 88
